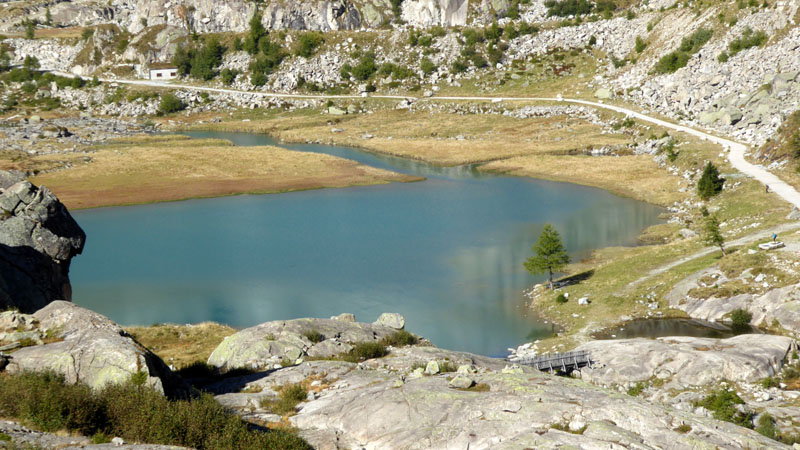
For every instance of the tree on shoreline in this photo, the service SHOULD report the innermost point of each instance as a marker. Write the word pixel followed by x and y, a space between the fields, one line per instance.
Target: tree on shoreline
pixel 551 255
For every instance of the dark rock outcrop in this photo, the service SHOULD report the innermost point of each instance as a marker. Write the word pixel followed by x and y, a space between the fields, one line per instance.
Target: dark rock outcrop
pixel 38 239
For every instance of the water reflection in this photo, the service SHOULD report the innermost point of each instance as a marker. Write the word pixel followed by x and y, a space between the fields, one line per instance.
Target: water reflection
pixel 447 253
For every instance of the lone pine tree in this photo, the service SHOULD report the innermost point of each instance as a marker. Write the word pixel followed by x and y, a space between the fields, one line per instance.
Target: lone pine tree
pixel 551 255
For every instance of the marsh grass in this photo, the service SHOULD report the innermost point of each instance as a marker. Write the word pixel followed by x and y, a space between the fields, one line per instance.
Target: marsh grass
pixel 150 170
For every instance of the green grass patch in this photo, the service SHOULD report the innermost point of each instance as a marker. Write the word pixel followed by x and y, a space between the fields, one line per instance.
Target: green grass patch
pixel 636 389
pixel 400 338
pixel 314 336
pixel 289 396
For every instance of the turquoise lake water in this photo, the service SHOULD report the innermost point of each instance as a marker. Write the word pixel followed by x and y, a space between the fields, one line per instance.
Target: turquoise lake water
pixel 446 252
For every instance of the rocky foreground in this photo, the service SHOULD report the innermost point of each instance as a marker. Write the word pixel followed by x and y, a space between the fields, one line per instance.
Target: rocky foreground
pixel 417 396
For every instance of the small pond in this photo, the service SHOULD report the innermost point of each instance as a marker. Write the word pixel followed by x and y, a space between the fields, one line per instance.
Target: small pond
pixel 655 328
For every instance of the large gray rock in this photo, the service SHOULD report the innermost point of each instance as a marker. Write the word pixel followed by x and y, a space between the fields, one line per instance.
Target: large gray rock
pixel 266 345
pixel 781 305
pixel 93 350
pixel 38 239
pixel 391 320
pixel 374 409
pixel 687 361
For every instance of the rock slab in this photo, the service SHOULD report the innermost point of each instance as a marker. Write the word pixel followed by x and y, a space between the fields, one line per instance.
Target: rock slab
pixel 91 349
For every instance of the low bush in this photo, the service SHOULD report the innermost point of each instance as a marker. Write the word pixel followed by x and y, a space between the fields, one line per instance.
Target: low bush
pixel 308 43
pixel 170 104
pixel 399 339
pixel 766 426
pixel 722 403
pixel 679 58
pixel 741 318
pixel 133 412
pixel 636 389
pixel 769 382
pixel 289 396
pixel 748 39
pixel 427 66
pixel 314 336
pixel 561 298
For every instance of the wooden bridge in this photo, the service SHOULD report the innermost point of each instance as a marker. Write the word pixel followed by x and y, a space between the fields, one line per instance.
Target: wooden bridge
pixel 563 362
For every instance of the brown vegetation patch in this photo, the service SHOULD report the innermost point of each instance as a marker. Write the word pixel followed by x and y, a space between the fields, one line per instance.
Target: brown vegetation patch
pixel 182 345
pixel 632 176
pixel 155 169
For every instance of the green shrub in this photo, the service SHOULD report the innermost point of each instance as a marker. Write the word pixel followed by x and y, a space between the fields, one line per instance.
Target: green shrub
pixel 365 68
pixel 369 350
pixel 640 44
pixel 400 338
pixel 87 33
pixel 447 366
pixel 458 66
pixel 769 382
pixel 741 318
pixel 427 66
pixel 170 104
pixel 766 426
pixel 723 57
pixel 561 298
pixel 748 39
pixel 314 336
pixel 696 40
pixel 472 36
pixel 684 428
pixel 308 43
pixel 525 29
pixel 566 8
pixel 722 403
pixel 679 58
pixel 671 62
pixel 636 389
pixel 592 41
pixel 289 396
pixel 228 76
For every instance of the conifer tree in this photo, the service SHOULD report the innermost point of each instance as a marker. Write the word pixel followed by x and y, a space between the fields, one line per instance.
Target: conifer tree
pixel 712 235
pixel 710 183
pixel 551 255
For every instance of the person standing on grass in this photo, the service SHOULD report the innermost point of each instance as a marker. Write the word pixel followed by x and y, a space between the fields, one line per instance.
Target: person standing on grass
pixel 774 237
pixel 767 187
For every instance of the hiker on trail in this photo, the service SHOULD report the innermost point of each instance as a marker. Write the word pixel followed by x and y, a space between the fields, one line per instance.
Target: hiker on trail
pixel 774 237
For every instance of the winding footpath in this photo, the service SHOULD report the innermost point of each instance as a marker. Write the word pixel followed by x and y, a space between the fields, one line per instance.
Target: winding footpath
pixel 736 155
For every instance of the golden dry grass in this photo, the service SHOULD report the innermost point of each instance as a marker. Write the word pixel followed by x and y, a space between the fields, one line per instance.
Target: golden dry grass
pixel 157 169
pixel 182 345
pixel 635 176
pixel 434 137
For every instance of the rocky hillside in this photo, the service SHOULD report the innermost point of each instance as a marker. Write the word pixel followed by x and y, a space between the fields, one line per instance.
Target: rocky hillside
pixel 731 67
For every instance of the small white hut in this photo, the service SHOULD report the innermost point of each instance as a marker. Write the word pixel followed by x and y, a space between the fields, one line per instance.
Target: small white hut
pixel 163 71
